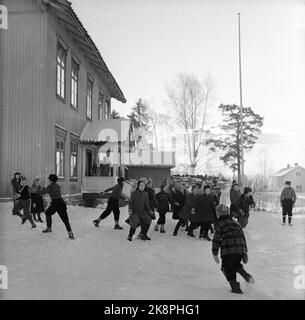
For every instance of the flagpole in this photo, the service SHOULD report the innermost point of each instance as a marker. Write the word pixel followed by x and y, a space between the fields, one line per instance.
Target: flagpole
pixel 241 110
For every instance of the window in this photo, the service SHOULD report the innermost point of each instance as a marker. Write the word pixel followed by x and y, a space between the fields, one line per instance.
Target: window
pixel 298 174
pixel 107 109
pixel 101 106
pixel 299 188
pixel 60 152
pixel 61 71
pixel 89 98
pixel 73 158
pixel 74 84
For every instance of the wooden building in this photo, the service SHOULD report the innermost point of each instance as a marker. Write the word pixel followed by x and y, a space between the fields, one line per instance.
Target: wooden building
pixel 53 83
pixel 295 174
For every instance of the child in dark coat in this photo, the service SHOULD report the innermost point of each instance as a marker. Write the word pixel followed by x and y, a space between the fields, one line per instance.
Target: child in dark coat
pixel 24 202
pixel 230 239
pixel 162 199
pixel 57 205
pixel 244 203
pixel 288 198
pixel 15 182
pixel 37 200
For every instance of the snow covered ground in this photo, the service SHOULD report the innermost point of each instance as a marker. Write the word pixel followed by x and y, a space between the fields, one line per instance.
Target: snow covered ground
pixel 101 264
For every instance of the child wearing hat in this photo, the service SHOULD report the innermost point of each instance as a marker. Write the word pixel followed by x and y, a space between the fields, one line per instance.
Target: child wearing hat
pixel 288 198
pixel 57 205
pixel 244 203
pixel 230 239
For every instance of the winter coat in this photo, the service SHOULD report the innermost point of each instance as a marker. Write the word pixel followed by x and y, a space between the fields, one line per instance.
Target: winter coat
pixel 234 196
pixel 190 202
pixel 162 198
pixel 229 237
pixel 288 193
pixel 15 184
pixel 244 204
pixel 37 205
pixel 179 197
pixel 24 192
pixel 53 189
pixel 139 203
pixel 204 209
pixel 116 192
pixel 151 198
pixel 216 193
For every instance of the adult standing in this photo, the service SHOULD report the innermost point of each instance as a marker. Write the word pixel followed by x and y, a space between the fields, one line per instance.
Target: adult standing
pixel 140 212
pixel 288 198
pixel 204 213
pixel 113 204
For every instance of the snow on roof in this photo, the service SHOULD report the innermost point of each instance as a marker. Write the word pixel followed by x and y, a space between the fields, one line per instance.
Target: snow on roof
pixel 284 171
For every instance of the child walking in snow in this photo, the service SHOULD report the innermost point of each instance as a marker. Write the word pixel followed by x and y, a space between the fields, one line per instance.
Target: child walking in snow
pixel 230 238
pixel 162 198
pixel 244 203
pixel 113 204
pixel 57 205
pixel 288 198
pixel 140 212
pixel 24 202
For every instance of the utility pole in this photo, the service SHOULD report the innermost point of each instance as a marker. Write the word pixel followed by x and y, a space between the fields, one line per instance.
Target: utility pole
pixel 241 136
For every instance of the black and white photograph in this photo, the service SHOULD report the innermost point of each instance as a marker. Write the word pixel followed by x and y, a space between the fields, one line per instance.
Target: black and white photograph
pixel 152 150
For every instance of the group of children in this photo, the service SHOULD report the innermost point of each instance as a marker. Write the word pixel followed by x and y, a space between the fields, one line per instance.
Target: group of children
pixel 199 207
pixel 30 200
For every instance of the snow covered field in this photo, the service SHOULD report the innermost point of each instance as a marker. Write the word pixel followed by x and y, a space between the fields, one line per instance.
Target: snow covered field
pixel 101 264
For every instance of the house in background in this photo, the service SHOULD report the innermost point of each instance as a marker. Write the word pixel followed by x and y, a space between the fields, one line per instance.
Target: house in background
pixel 295 174
pixel 55 88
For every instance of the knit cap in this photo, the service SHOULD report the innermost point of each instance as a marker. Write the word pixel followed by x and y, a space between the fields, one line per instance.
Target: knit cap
pixel 222 210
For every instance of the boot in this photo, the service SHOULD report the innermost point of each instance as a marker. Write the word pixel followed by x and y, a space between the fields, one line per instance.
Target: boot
pixel 47 230
pixel 245 275
pixel 131 232
pixel 235 286
pixel 23 220
pixel 162 229
pixel 39 218
pixel 201 236
pixel 96 223
pixel 71 236
pixel 191 234
pixel 129 237
pixel 118 227
pixel 156 228
pixel 34 226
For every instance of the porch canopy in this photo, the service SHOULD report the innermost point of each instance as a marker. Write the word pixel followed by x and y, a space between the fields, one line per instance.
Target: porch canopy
pixel 99 132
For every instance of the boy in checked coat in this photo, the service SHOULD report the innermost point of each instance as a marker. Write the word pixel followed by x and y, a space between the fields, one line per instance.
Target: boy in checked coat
pixel 230 238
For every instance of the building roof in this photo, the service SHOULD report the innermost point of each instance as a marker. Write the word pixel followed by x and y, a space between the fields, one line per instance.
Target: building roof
pixel 102 131
pixel 286 170
pixel 68 17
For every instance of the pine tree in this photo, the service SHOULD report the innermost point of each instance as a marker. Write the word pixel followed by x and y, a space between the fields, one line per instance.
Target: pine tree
pixel 115 115
pixel 229 140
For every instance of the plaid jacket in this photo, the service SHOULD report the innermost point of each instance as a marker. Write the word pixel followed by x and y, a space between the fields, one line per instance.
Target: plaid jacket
pixel 229 237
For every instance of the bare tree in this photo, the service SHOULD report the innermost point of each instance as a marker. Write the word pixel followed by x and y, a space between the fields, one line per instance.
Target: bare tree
pixel 190 100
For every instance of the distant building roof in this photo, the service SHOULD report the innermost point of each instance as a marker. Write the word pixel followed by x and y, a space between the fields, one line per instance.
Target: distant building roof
pixel 68 17
pixel 286 170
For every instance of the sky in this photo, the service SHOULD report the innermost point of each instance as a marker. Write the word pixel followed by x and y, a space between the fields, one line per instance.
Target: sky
pixel 145 44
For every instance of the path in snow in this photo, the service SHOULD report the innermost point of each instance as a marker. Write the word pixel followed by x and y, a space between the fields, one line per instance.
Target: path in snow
pixel 102 264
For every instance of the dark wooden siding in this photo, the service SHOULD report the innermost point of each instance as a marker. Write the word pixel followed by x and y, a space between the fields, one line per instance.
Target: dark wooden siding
pixel 158 175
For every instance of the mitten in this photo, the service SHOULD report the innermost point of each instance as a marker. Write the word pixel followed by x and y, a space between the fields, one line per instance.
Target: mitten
pixel 245 258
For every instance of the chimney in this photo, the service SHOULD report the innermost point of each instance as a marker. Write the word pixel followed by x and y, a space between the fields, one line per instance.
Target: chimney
pixel 296 164
pixel 288 165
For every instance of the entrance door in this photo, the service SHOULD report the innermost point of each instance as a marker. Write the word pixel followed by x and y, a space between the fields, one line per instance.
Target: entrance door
pixel 88 163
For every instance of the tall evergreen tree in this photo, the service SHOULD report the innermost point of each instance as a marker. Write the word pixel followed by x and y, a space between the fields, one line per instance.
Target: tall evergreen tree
pixel 139 116
pixel 229 138
pixel 115 115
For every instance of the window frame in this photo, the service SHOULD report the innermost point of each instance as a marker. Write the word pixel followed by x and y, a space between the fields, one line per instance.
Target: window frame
pixel 61 94
pixel 73 140
pixel 101 107
pixel 60 136
pixel 75 64
pixel 90 80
